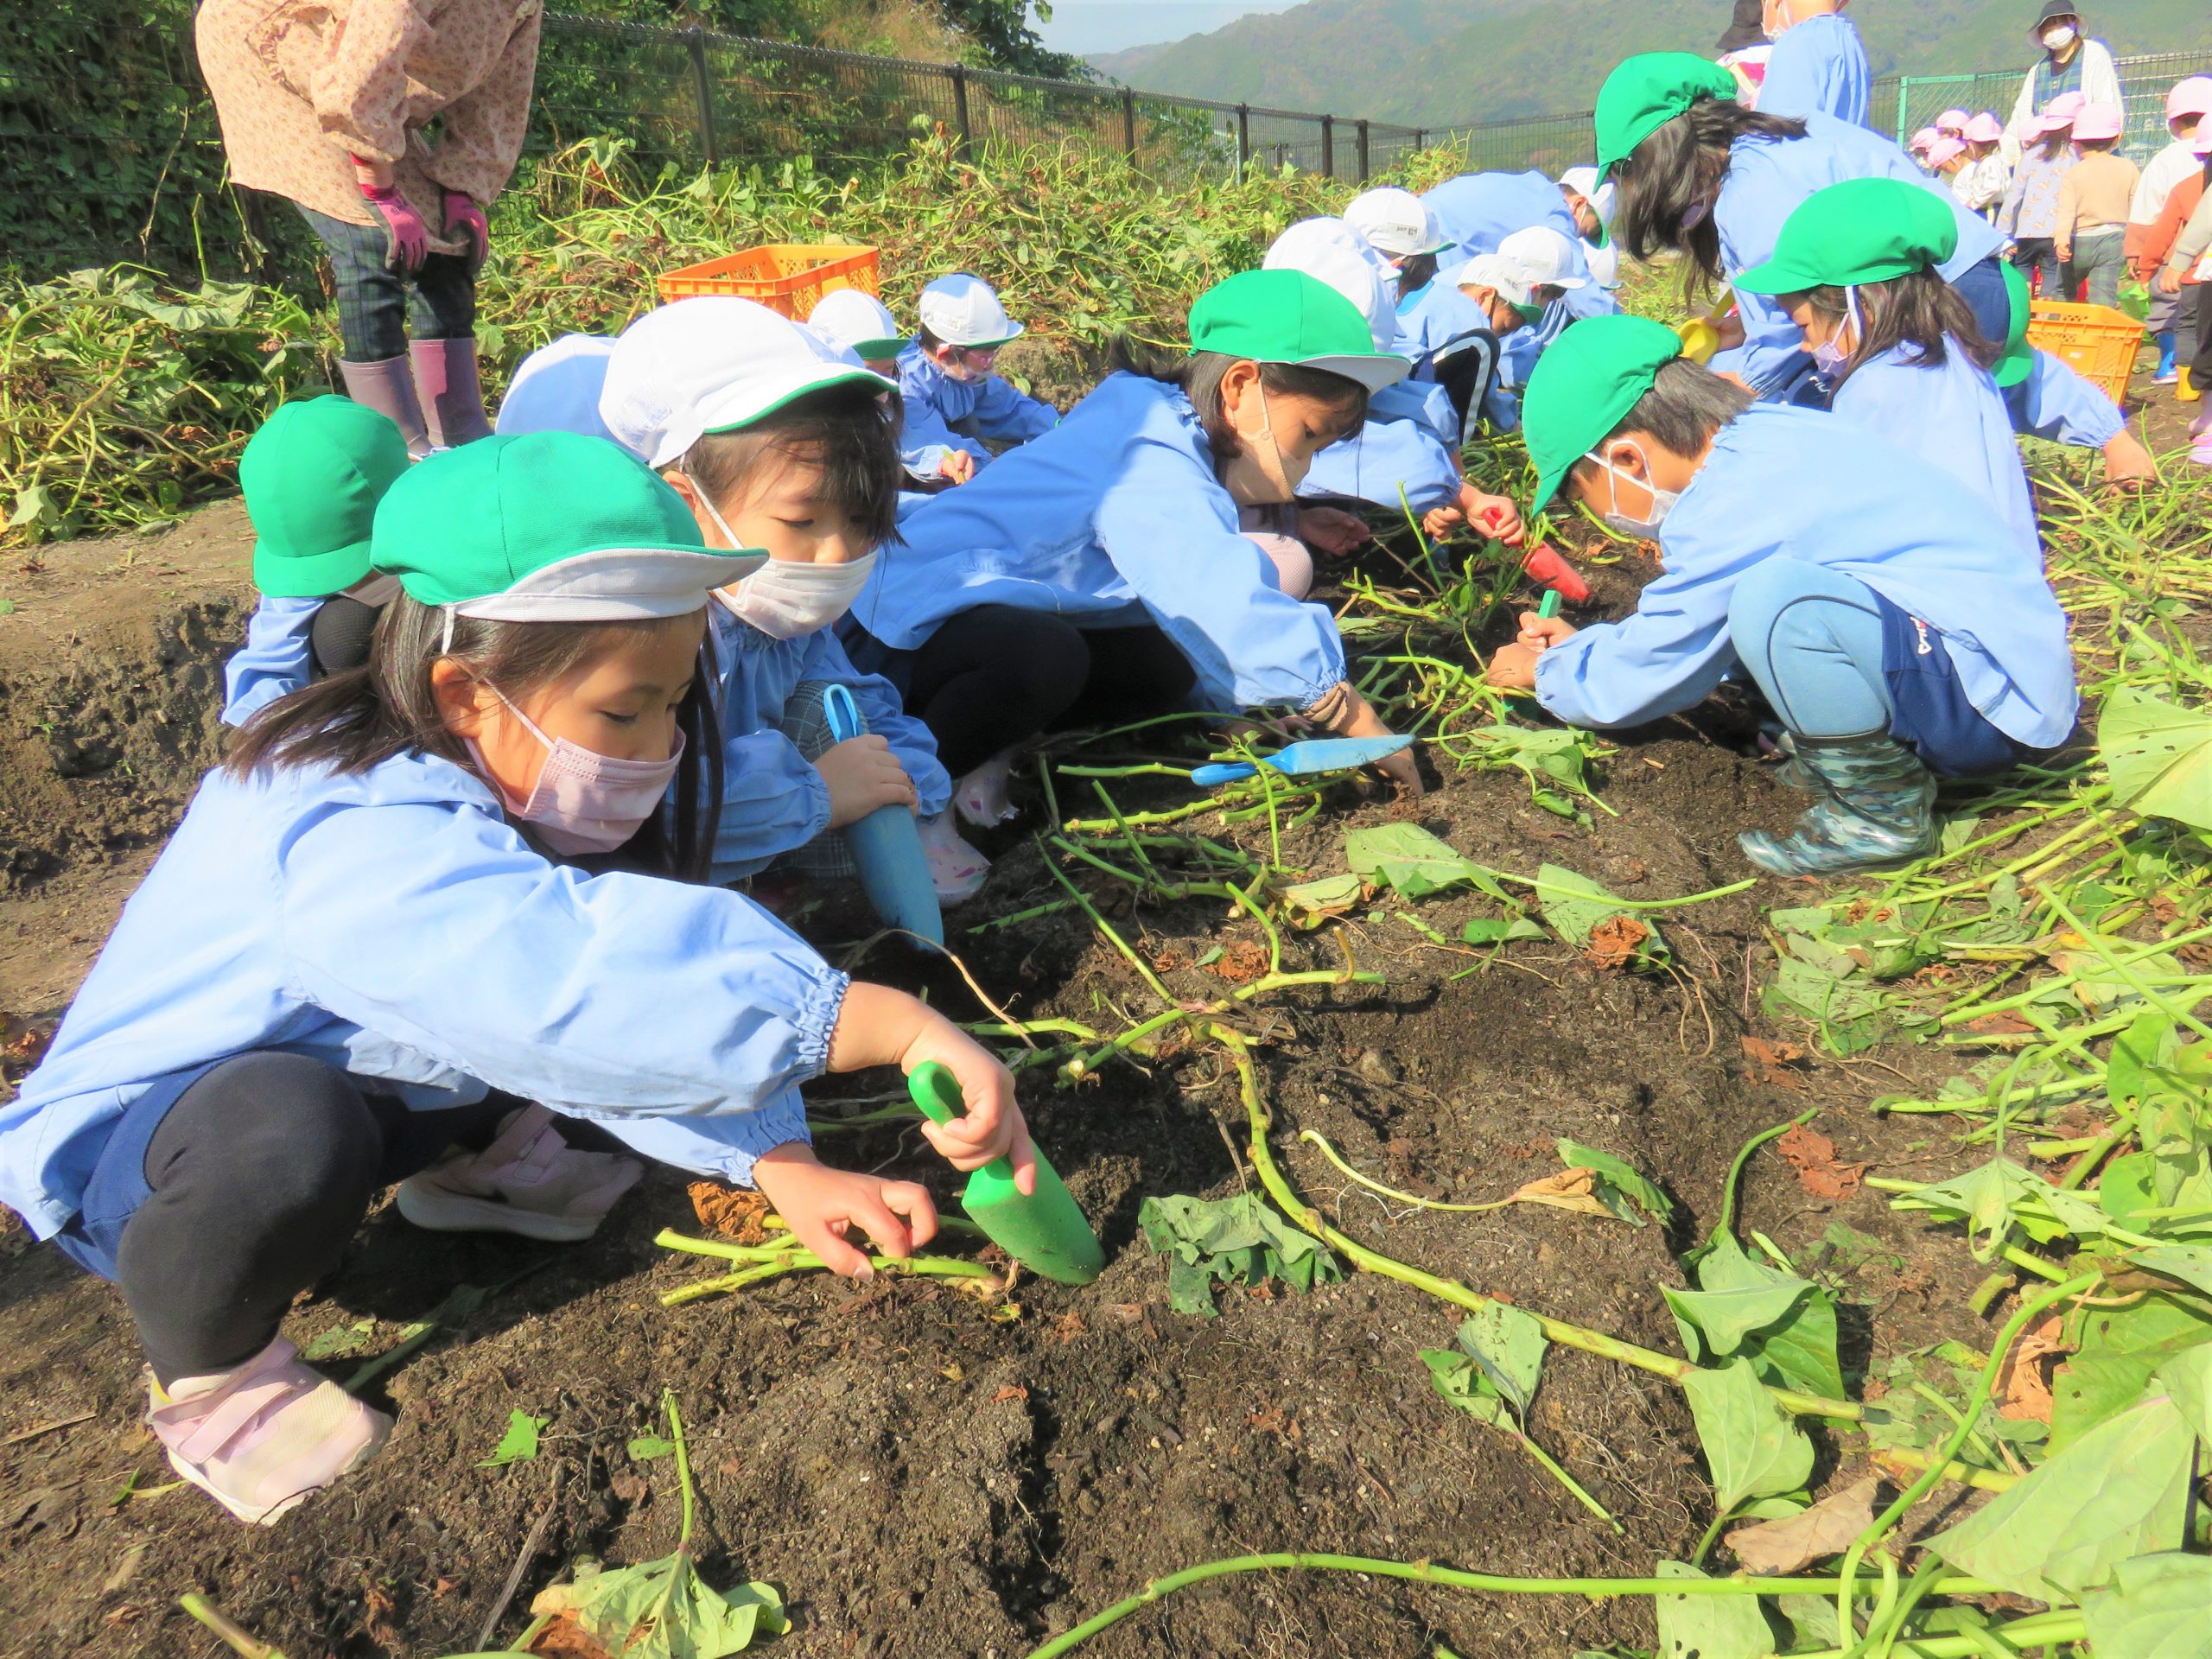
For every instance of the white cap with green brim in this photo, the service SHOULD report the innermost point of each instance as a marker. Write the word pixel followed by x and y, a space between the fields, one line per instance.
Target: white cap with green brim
pixel 857 319
pixel 546 527
pixel 1494 271
pixel 1332 251
pixel 1286 317
pixel 963 309
pixel 713 365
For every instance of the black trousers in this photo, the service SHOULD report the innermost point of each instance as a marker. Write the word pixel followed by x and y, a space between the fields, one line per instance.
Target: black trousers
pixel 260 1173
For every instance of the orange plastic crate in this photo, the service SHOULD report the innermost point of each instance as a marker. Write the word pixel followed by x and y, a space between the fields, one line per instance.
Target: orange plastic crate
pixel 2096 341
pixel 788 277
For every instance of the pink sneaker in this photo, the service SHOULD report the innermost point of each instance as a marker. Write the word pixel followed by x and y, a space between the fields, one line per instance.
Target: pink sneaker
pixel 957 870
pixel 985 795
pixel 529 1181
pixel 263 1439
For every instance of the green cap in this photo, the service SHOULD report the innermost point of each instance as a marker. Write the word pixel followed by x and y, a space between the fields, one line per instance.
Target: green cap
pixel 312 475
pixel 1647 92
pixel 1286 317
pixel 2019 359
pixel 1862 231
pixel 547 527
pixel 1583 384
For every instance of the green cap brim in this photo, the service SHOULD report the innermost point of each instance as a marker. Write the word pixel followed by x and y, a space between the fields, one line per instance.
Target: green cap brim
pixel 282 575
pixel 878 351
pixel 829 375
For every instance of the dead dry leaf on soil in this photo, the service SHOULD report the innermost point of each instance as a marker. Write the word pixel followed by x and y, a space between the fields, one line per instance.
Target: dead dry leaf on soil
pixel 1614 942
pixel 1813 1156
pixel 1570 1189
pixel 1777 1064
pixel 2007 1024
pixel 1241 961
pixel 730 1212
pixel 2025 1380
pixel 1827 1528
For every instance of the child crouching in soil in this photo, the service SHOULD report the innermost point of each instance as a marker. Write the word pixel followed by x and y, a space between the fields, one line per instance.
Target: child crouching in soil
pixel 365 943
pixel 1891 619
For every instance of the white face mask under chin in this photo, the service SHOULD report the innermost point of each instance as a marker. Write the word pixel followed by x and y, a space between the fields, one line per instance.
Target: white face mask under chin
pixel 1662 501
pixel 1260 474
pixel 785 599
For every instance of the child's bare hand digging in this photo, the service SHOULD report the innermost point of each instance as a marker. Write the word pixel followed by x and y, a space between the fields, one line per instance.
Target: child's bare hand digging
pixel 880 1027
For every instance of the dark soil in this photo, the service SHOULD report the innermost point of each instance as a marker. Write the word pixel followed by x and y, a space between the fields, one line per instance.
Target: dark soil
pixel 920 1473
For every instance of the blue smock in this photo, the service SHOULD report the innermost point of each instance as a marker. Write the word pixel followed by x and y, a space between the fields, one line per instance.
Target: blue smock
pixel 773 798
pixel 1952 414
pixel 1480 210
pixel 1431 318
pixel 1802 484
pixel 1767 181
pixel 2055 402
pixel 1819 66
pixel 1397 464
pixel 275 660
pixel 1113 518
pixel 391 923
pixel 925 440
pixel 935 401
pixel 556 388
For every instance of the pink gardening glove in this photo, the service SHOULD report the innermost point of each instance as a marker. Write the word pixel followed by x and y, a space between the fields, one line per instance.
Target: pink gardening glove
pixel 407 238
pixel 463 214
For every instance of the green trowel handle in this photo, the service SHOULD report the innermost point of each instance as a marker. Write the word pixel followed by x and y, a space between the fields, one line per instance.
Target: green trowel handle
pixel 937 1091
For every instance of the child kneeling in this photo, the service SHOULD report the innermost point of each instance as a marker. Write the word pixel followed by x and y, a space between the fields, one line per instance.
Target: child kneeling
pixel 367 940
pixel 1887 613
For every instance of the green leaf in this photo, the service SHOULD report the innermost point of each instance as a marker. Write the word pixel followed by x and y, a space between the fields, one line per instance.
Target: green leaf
pixel 2191 1263
pixel 2121 1490
pixel 1715 1324
pixel 1460 1380
pixel 1578 908
pixel 1236 1240
pixel 1708 1627
pixel 1510 1345
pixel 1411 863
pixel 2155 1608
pixel 2158 755
pixel 518 1444
pixel 1312 903
pixel 341 1342
pixel 646 1447
pixel 2187 1376
pixel 662 1610
pixel 2136 1053
pixel 1751 1446
pixel 1732 1311
pixel 1500 930
pixel 1999 1195
pixel 1623 1190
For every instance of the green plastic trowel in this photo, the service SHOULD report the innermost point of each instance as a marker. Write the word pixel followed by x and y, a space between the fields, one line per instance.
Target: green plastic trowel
pixel 1045 1232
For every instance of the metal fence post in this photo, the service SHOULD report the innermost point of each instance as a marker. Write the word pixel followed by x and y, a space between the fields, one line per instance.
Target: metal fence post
pixel 1129 122
pixel 1904 96
pixel 1362 150
pixel 703 84
pixel 1328 146
pixel 1243 140
pixel 960 105
pixel 1421 138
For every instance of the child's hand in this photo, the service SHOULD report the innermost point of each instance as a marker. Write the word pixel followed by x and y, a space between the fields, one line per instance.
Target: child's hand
pixel 822 1204
pixel 862 775
pixel 1494 515
pixel 1360 720
pixel 1437 523
pixel 1332 530
pixel 1539 634
pixel 1513 668
pixel 2170 280
pixel 958 466
pixel 993 1126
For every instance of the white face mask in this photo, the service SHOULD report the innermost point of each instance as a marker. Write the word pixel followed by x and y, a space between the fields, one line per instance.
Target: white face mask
pixel 2059 36
pixel 785 599
pixel 1831 353
pixel 1662 501
pixel 1262 475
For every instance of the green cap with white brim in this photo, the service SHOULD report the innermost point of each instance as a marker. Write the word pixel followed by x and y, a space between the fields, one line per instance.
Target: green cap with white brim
pixel 1584 387
pixel 715 363
pixel 1287 316
pixel 546 527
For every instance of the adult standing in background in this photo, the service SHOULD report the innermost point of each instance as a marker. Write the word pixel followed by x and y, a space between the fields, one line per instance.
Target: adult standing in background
pixel 2071 62
pixel 323 102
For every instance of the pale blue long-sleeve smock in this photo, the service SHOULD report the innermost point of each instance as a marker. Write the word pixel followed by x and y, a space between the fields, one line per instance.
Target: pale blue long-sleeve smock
pixel 1431 318
pixel 1478 211
pixel 925 440
pixel 1951 414
pixel 1819 66
pixel 2055 402
pixel 1113 518
pixel 1767 181
pixel 773 798
pixel 1802 484
pixel 1406 455
pixel 998 411
pixel 276 660
pixel 393 923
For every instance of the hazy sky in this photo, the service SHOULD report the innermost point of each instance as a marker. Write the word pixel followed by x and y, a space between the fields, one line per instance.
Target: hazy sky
pixel 1109 25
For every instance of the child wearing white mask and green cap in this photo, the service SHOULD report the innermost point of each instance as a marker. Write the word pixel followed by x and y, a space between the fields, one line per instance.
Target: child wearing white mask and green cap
pixel 785 445
pixel 945 375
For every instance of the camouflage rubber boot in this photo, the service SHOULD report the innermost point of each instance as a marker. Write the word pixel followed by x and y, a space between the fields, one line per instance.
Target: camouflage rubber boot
pixel 1878 808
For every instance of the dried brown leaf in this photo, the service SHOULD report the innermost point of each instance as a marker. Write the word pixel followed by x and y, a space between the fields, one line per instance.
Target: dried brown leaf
pixel 2025 1380
pixel 1570 1189
pixel 1812 1155
pixel 729 1213
pixel 1778 1063
pixel 1614 941
pixel 1827 1528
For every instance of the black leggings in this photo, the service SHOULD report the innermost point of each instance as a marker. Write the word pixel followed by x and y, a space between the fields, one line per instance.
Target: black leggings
pixel 2201 372
pixel 991 677
pixel 260 1174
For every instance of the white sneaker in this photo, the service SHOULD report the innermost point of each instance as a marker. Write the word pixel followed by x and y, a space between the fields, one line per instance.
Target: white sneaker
pixel 529 1181
pixel 957 870
pixel 984 796
pixel 263 1439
